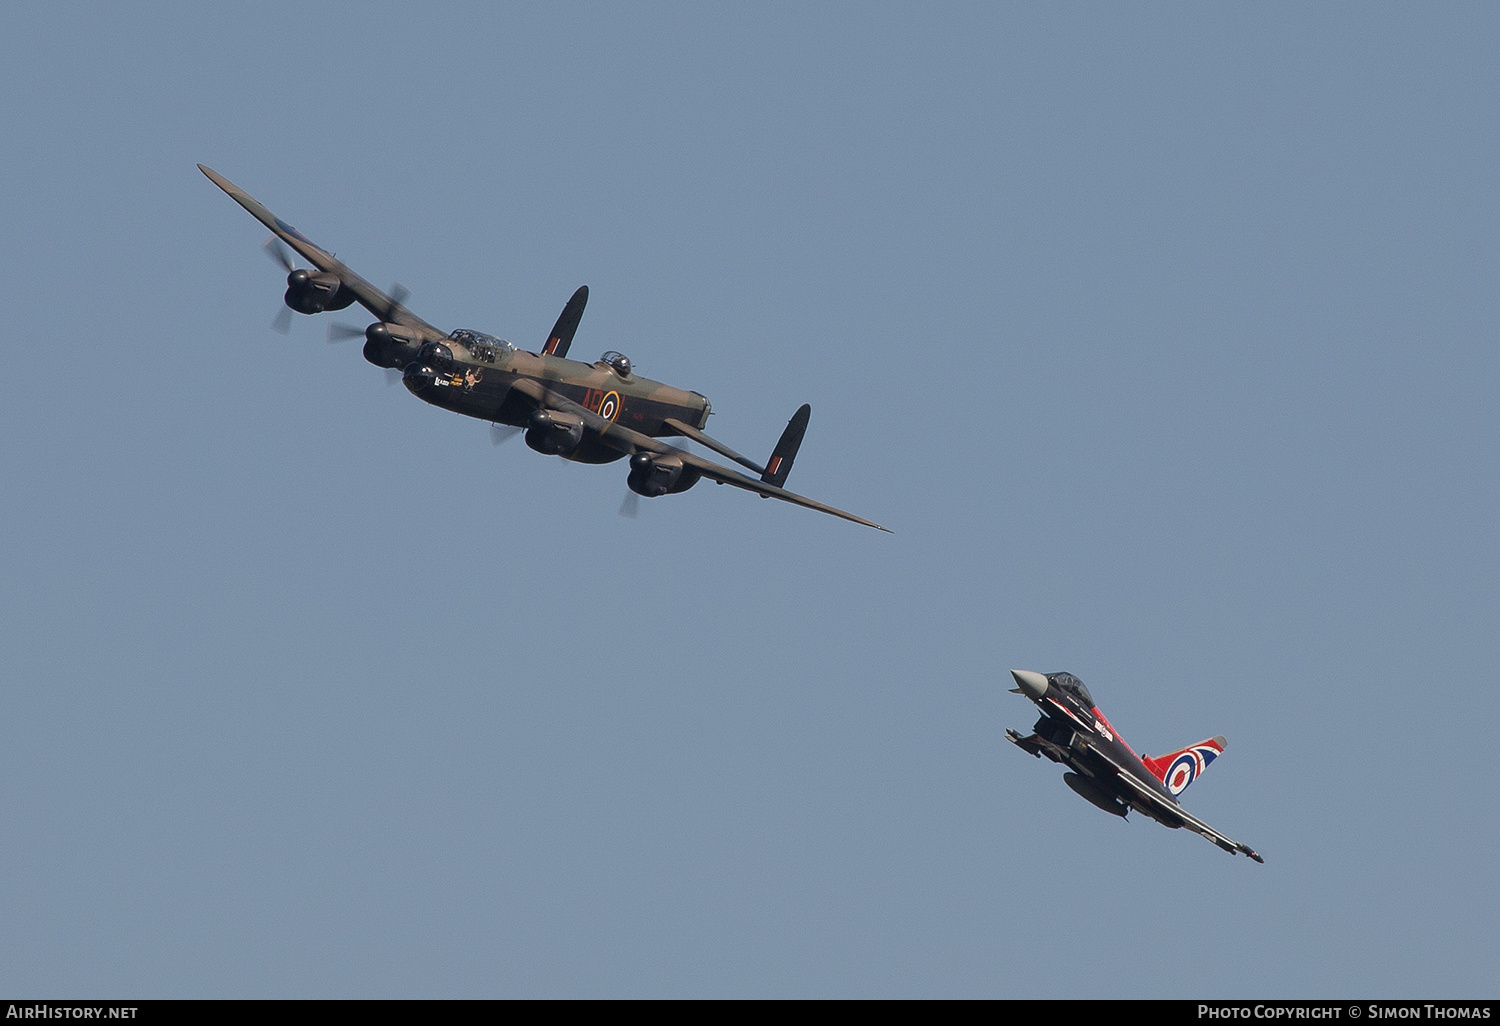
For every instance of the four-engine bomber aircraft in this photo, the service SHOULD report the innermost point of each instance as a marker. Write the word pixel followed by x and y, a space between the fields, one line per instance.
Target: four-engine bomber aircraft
pixel 587 413
pixel 1109 774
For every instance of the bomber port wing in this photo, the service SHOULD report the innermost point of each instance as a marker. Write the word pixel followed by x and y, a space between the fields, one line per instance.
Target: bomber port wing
pixel 631 442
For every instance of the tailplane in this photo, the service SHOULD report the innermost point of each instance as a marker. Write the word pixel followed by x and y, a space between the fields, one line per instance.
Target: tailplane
pixel 1180 768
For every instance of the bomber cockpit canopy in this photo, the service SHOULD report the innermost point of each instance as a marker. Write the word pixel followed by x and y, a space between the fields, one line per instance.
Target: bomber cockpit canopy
pixel 1074 687
pixel 484 347
pixel 617 362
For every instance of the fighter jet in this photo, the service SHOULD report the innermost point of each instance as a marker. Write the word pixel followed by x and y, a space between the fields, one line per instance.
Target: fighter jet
pixel 1107 772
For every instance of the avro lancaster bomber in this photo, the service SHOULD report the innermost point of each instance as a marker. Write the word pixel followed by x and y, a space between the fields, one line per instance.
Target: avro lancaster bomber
pixel 586 413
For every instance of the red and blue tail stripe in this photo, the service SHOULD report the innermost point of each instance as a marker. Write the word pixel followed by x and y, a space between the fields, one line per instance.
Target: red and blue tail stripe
pixel 1178 769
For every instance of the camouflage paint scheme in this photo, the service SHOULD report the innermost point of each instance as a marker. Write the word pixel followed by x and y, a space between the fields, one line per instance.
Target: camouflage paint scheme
pixel 586 413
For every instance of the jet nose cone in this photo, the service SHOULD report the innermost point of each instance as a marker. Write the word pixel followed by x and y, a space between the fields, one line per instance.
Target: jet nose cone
pixel 1033 683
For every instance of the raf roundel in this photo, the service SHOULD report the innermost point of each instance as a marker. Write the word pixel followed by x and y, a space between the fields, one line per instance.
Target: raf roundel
pixel 1181 774
pixel 609 406
pixel 1186 767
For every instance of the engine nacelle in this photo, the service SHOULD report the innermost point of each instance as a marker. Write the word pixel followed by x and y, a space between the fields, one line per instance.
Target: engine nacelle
pixel 652 475
pixel 553 433
pixel 312 292
pixel 389 345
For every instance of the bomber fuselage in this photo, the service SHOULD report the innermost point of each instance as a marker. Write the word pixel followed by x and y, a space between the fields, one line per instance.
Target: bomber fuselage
pixel 474 375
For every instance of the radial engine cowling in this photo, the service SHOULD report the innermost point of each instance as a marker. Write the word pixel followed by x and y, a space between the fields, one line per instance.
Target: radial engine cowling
pixel 312 292
pixel 389 345
pixel 652 475
pixel 553 433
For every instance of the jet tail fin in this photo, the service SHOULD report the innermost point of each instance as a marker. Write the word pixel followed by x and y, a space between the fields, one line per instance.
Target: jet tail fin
pixel 780 463
pixel 1180 768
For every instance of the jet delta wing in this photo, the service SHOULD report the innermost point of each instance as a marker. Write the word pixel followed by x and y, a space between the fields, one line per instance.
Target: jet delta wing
pixel 1167 810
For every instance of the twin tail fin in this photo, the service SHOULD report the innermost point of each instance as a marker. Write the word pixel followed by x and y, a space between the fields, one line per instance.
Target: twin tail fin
pixel 780 463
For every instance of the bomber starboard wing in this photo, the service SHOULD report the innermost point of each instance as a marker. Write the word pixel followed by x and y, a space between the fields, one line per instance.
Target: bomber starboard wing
pixel 380 304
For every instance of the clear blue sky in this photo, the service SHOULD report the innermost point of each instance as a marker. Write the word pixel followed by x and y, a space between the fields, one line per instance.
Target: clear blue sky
pixel 1163 336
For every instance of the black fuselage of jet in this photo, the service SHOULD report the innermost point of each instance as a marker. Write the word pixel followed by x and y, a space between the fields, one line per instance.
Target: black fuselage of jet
pixel 1105 770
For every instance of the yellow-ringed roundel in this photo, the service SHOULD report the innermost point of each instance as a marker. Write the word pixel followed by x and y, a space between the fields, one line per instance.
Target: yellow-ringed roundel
pixel 609 406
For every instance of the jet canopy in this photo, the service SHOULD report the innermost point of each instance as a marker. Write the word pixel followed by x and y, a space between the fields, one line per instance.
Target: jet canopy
pixel 1073 686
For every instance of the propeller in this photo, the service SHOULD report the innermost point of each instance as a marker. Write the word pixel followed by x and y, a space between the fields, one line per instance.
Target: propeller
pixel 631 507
pixel 277 251
pixel 279 254
pixel 502 433
pixel 339 332
pixel 397 295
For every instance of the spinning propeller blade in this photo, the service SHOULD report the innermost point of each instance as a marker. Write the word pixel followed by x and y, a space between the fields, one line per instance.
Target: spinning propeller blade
pixel 282 257
pixel 398 293
pixel 277 251
pixel 338 332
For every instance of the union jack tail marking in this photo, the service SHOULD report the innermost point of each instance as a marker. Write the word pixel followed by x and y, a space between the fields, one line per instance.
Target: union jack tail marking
pixel 1180 768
